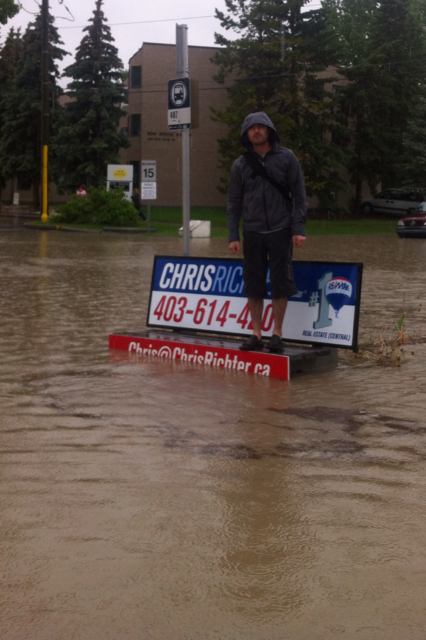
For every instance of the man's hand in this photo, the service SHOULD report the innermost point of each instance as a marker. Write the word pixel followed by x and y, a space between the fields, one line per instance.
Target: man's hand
pixel 298 241
pixel 235 247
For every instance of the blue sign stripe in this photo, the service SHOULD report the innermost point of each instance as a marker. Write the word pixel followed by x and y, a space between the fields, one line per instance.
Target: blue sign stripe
pixel 224 277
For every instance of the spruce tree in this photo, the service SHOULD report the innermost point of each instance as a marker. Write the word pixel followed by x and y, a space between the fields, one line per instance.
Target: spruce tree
pixel 10 55
pixel 383 63
pixel 413 159
pixel 273 66
pixel 20 146
pixel 87 139
pixel 8 9
pixel 399 60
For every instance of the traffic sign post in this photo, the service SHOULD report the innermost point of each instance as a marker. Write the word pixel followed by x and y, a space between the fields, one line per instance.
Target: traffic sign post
pixel 149 184
pixel 179 117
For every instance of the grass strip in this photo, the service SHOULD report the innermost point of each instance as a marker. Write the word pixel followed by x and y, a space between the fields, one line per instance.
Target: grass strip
pixel 168 220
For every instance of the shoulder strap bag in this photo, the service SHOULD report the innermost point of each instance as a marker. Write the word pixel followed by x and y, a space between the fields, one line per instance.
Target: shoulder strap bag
pixel 259 170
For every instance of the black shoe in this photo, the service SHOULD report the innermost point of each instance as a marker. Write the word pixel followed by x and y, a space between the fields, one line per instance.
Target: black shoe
pixel 275 344
pixel 252 344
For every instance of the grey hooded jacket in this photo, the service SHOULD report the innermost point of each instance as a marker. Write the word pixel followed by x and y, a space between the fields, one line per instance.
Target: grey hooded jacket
pixel 262 206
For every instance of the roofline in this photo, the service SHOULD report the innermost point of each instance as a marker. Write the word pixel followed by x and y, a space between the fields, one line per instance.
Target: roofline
pixel 166 44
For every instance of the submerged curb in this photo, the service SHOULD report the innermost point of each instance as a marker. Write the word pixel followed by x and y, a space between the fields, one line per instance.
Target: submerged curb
pixel 55 227
pixel 127 230
pixel 71 229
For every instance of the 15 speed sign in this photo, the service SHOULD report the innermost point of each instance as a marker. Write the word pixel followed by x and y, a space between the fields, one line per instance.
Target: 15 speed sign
pixel 149 171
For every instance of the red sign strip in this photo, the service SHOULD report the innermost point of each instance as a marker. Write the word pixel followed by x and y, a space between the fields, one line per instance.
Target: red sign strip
pixel 265 364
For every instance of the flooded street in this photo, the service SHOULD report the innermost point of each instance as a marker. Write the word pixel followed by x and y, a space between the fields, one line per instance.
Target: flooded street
pixel 166 501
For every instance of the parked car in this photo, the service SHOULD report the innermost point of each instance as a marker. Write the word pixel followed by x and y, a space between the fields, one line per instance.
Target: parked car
pixel 413 225
pixel 394 201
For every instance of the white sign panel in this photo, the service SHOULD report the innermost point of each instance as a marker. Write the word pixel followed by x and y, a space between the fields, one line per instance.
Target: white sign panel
pixel 149 190
pixel 149 171
pixel 179 118
pixel 120 172
pixel 207 294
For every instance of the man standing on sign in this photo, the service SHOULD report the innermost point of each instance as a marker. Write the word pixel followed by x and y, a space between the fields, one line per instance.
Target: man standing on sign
pixel 267 188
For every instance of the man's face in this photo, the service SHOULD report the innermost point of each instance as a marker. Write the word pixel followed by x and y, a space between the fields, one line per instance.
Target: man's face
pixel 258 134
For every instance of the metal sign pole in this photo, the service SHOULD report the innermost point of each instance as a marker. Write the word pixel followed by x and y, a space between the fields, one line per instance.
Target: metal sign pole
pixel 182 70
pixel 149 185
pixel 45 111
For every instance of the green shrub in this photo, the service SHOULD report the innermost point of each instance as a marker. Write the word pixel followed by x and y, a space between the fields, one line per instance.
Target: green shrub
pixel 106 208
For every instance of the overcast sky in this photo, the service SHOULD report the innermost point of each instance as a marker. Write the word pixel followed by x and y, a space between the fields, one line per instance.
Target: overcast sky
pixel 132 22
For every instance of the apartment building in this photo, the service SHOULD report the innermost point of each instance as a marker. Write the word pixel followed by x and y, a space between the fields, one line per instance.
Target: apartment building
pixel 146 124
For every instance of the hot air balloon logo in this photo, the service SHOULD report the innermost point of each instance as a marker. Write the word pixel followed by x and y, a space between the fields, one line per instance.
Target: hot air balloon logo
pixel 338 292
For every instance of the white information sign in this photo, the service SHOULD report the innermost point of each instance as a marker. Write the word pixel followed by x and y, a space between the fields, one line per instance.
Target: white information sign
pixel 149 179
pixel 179 118
pixel 120 176
pixel 120 172
pixel 149 190
pixel 149 171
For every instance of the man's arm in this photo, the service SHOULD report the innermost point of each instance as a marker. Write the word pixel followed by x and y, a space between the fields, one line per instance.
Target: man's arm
pixel 296 185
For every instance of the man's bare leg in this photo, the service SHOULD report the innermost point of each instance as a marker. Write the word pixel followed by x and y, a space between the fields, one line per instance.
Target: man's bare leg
pixel 256 310
pixel 279 306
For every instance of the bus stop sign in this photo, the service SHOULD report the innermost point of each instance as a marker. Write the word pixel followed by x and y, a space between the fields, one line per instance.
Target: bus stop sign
pixel 179 103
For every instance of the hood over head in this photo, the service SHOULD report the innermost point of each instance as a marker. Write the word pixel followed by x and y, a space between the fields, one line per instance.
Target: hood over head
pixel 258 118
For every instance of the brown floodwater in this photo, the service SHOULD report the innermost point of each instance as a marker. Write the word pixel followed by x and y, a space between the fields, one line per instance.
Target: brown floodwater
pixel 156 500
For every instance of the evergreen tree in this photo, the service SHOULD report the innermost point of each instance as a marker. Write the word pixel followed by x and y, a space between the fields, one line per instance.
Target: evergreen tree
pixel 399 60
pixel 384 66
pixel 352 21
pixel 8 9
pixel 413 161
pixel 10 55
pixel 87 139
pixel 20 146
pixel 274 66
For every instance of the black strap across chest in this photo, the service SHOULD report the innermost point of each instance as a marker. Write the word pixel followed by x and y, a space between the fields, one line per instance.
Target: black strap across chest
pixel 259 170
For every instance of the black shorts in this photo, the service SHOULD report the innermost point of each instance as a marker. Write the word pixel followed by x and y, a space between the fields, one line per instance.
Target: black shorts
pixel 276 246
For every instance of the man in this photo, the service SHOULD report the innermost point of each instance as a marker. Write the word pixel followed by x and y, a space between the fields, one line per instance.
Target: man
pixel 267 188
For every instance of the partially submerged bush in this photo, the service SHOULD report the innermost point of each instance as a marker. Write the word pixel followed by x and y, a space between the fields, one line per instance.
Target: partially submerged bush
pixel 389 350
pixel 102 207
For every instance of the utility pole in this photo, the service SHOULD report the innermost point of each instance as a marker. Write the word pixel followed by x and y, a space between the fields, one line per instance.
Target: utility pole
pixel 44 108
pixel 182 70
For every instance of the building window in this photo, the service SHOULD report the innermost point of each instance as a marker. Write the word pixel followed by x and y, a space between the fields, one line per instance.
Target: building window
pixel 136 77
pixel 135 124
pixel 125 132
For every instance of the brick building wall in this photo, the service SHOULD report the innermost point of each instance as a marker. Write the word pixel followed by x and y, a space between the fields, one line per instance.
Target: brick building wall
pixel 150 69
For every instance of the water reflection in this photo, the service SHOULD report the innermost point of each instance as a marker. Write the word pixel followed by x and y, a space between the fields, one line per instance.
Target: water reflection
pixel 160 500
